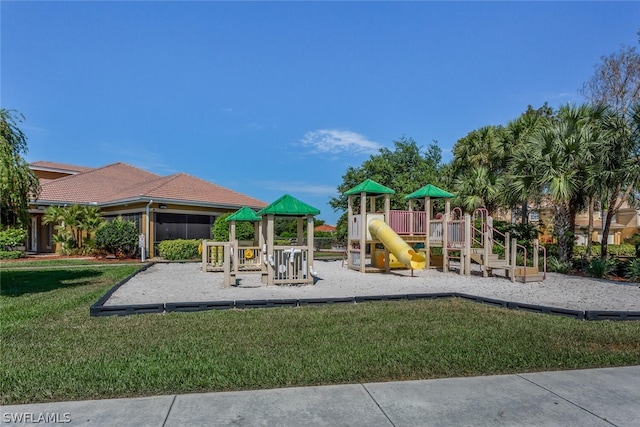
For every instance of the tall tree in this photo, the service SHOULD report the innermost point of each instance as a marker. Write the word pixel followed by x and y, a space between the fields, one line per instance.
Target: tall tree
pixel 17 181
pixel 404 169
pixel 477 167
pixel 477 187
pixel 557 161
pixel 516 136
pixel 619 163
pixel 616 85
pixel 616 81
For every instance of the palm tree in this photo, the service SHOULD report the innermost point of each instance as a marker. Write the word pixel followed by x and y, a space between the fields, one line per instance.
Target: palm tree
pixel 71 221
pixel 91 219
pixel 516 136
pixel 557 161
pixel 55 215
pixel 477 168
pixel 619 163
pixel 478 187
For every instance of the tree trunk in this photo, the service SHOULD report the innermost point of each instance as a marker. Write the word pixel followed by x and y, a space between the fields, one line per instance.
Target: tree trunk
pixel 525 212
pixel 592 202
pixel 606 227
pixel 565 225
pixel 614 204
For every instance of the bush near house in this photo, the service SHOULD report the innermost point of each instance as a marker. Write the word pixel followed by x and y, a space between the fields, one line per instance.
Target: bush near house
pixel 11 254
pixel 220 229
pixel 623 250
pixel 118 237
pixel 10 239
pixel 179 249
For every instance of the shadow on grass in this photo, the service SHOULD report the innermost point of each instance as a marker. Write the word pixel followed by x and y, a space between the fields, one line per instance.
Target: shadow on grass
pixel 17 283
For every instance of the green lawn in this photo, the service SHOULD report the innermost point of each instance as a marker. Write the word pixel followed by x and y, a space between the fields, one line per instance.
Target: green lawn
pixel 56 262
pixel 52 350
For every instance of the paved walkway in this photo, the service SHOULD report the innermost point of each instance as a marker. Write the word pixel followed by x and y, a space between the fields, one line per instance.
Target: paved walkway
pixel 591 397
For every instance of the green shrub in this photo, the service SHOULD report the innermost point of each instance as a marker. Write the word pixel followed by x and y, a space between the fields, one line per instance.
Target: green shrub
pixel 11 254
pixel 557 266
pixel 283 242
pixel 552 250
pixel 88 247
pixel 599 267
pixel 499 250
pixel 524 233
pixel 12 237
pixel 633 271
pixel 634 241
pixel 623 250
pixel 580 251
pixel 118 237
pixel 220 229
pixel 179 249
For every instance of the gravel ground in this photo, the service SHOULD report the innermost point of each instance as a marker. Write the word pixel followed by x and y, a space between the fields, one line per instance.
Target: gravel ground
pixel 184 282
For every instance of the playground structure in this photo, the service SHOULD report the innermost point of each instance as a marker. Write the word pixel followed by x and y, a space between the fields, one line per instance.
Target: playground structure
pixel 409 238
pixel 277 264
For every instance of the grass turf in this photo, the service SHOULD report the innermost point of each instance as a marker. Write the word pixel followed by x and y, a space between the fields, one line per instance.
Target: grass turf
pixel 52 350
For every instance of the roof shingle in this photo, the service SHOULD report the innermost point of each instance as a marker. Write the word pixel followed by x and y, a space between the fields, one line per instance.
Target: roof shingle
pixel 120 182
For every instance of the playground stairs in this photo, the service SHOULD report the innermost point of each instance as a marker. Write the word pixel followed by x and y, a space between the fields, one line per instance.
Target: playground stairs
pixel 494 262
pixel 485 238
pixel 533 275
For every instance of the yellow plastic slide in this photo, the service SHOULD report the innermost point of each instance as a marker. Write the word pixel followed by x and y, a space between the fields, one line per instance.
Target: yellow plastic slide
pixel 394 243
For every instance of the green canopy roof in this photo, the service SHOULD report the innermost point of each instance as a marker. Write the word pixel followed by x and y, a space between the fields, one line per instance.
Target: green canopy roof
pixel 290 206
pixel 429 191
pixel 370 187
pixel 244 214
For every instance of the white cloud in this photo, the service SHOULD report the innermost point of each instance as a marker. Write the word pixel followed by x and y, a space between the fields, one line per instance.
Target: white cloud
pixel 333 141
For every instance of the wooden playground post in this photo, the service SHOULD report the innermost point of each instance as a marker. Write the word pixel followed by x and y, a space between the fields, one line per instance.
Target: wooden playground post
pixel 427 240
pixel 487 250
pixel 465 255
pixel 387 219
pixel 229 279
pixel 445 236
pixel 204 255
pixel 310 244
pixel 363 230
pixel 507 246
pixel 349 227
pixel 234 246
pixel 514 252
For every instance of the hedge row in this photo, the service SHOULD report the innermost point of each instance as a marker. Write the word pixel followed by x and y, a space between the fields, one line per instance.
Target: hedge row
pixel 179 249
pixel 624 250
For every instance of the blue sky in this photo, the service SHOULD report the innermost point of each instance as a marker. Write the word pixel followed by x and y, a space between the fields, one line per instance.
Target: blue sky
pixel 269 98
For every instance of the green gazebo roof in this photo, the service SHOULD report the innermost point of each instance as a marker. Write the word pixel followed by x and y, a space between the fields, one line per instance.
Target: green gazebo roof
pixel 429 191
pixel 244 214
pixel 370 187
pixel 289 206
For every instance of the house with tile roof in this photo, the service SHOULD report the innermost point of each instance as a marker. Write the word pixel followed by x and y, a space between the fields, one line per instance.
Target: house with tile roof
pixel 178 206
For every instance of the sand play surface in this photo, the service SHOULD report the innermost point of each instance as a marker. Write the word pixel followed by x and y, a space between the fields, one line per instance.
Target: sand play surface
pixel 184 282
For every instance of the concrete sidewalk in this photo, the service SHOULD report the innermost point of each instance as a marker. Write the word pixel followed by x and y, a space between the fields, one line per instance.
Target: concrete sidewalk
pixel 592 397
